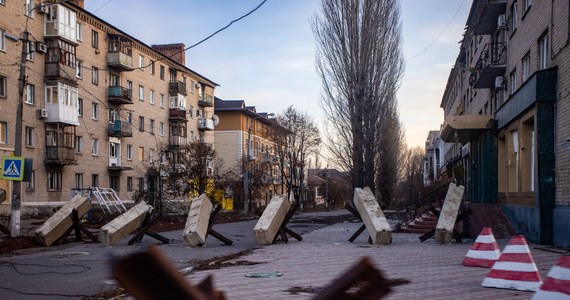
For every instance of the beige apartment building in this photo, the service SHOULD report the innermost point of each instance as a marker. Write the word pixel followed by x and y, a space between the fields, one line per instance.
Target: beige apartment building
pixel 507 113
pixel 100 106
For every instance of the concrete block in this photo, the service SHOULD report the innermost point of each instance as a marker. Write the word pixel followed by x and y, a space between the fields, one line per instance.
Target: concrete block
pixel 372 216
pixel 268 225
pixel 124 224
pixel 196 227
pixel 54 227
pixel 448 215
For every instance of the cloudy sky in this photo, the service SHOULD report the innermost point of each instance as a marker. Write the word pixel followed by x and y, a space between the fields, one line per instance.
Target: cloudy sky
pixel 267 58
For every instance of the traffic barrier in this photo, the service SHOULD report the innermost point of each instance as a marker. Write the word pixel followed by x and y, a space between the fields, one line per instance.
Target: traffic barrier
pixel 196 228
pixel 484 251
pixel 515 269
pixel 372 216
pixel 557 283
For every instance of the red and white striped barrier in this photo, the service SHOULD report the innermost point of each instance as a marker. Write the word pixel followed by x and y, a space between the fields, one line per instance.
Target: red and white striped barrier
pixel 557 283
pixel 515 269
pixel 484 251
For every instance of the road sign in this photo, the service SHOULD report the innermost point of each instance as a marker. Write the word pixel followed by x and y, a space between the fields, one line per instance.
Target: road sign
pixel 12 168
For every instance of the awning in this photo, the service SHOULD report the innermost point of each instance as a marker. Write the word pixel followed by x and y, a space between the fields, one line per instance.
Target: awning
pixel 465 128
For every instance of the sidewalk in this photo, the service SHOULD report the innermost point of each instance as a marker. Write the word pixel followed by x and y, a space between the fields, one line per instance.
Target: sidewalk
pixel 435 271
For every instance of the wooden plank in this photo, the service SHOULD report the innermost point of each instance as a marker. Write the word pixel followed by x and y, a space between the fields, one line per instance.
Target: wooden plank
pixel 448 214
pixel 270 221
pixel 196 228
pixel 124 224
pixel 54 227
pixel 372 216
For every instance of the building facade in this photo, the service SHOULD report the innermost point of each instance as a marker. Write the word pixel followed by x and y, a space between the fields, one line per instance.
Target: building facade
pixel 99 106
pixel 434 156
pixel 507 113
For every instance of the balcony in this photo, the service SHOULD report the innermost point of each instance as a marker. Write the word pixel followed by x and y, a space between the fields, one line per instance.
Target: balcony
pixel 120 129
pixel 177 114
pixel 115 168
pixel 205 124
pixel 177 87
pixel 59 71
pixel 491 63
pixel 119 61
pixel 119 95
pixel 176 141
pixel 206 101
pixel 486 15
pixel 60 155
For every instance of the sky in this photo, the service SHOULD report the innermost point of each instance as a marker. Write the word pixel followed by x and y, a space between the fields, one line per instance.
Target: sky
pixel 267 58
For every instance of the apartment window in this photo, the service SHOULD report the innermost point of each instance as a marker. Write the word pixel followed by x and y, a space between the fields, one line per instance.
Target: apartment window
pixel 3 133
pixel 2 86
pixel 129 85
pixel 79 32
pixel 95 180
pixel 30 136
pixel 3 2
pixel 94 39
pixel 114 79
pixel 161 128
pixel 30 51
pixel 141 62
pixel 152 68
pixel 95 75
pixel 80 106
pixel 2 40
pixel 115 183
pixel 95 147
pixel 129 184
pixel 79 69
pixel 129 152
pixel 526 67
pixel 141 184
pixel 192 87
pixel 141 92
pixel 161 72
pixel 78 145
pixel 31 185
pixel 513 81
pixel 151 97
pixel 141 123
pixel 54 181
pixel 78 180
pixel 514 15
pixel 130 117
pixel 28 8
pixel 30 94
pixel 113 150
pixel 151 126
pixel 162 100
pixel 527 4
pixel 141 154
pixel 543 52
pixel 94 111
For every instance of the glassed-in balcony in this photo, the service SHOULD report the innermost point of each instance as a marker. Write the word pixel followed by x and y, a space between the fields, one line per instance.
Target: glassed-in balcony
pixel 206 100
pixel 59 71
pixel 119 95
pixel 60 155
pixel 177 114
pixel 491 64
pixel 205 124
pixel 176 141
pixel 120 129
pixel 177 87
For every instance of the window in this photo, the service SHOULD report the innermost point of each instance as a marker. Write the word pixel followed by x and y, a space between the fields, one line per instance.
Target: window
pixel 2 40
pixel 130 117
pixel 141 92
pixel 28 8
pixel 151 97
pixel 151 126
pixel 113 150
pixel 543 52
pixel 141 184
pixel 95 75
pixel 513 81
pixel 141 62
pixel 94 39
pixel 526 67
pixel 30 51
pixel 129 85
pixel 152 67
pixel 129 184
pixel 79 69
pixel 80 106
pixel 141 154
pixel 115 182
pixel 3 133
pixel 78 145
pixel 95 180
pixel 31 185
pixel 79 32
pixel 161 128
pixel 527 4
pixel 162 100
pixel 192 87
pixel 114 79
pixel 54 181
pixel 78 180
pixel 161 72
pixel 141 123
pixel 30 136
pixel 30 94
pixel 95 147
pixel 129 152
pixel 2 86
pixel 514 15
pixel 94 111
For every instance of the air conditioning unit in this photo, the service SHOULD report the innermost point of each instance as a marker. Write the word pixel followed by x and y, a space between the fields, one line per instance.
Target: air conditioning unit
pixel 42 113
pixel 502 22
pixel 41 47
pixel 43 9
pixel 499 82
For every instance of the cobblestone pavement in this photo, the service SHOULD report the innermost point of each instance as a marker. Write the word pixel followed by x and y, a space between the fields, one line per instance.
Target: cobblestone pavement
pixel 434 270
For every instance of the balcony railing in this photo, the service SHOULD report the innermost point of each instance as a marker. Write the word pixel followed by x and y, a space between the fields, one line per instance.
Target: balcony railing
pixel 486 15
pixel 119 61
pixel 120 129
pixel 119 95
pixel 177 87
pixel 491 63
pixel 206 100
pixel 177 114
pixel 177 141
pixel 60 155
pixel 205 124
pixel 56 70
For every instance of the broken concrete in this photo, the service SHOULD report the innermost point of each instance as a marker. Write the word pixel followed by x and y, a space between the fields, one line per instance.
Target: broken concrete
pixel 196 227
pixel 268 225
pixel 372 216
pixel 448 215
pixel 124 224
pixel 54 227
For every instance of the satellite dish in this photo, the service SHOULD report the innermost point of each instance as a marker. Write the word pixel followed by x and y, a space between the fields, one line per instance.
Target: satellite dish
pixel 216 120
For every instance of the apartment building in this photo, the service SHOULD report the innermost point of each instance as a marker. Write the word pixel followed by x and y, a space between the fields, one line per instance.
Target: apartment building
pixel 507 114
pixel 100 106
pixel 245 142
pixel 434 155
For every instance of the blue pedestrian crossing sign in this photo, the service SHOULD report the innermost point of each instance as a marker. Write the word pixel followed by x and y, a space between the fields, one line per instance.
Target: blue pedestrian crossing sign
pixel 12 168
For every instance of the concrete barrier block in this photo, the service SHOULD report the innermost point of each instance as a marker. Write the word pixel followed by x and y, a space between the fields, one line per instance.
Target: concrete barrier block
pixel 54 227
pixel 372 216
pixel 268 225
pixel 196 227
pixel 448 215
pixel 124 224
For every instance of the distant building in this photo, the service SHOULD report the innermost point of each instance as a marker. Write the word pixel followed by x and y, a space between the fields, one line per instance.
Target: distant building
pixel 434 155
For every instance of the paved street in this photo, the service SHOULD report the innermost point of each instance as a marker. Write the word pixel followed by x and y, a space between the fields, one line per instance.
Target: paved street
pixel 434 270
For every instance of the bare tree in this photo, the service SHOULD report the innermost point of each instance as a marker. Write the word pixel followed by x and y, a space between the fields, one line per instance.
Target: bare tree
pixel 411 175
pixel 360 63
